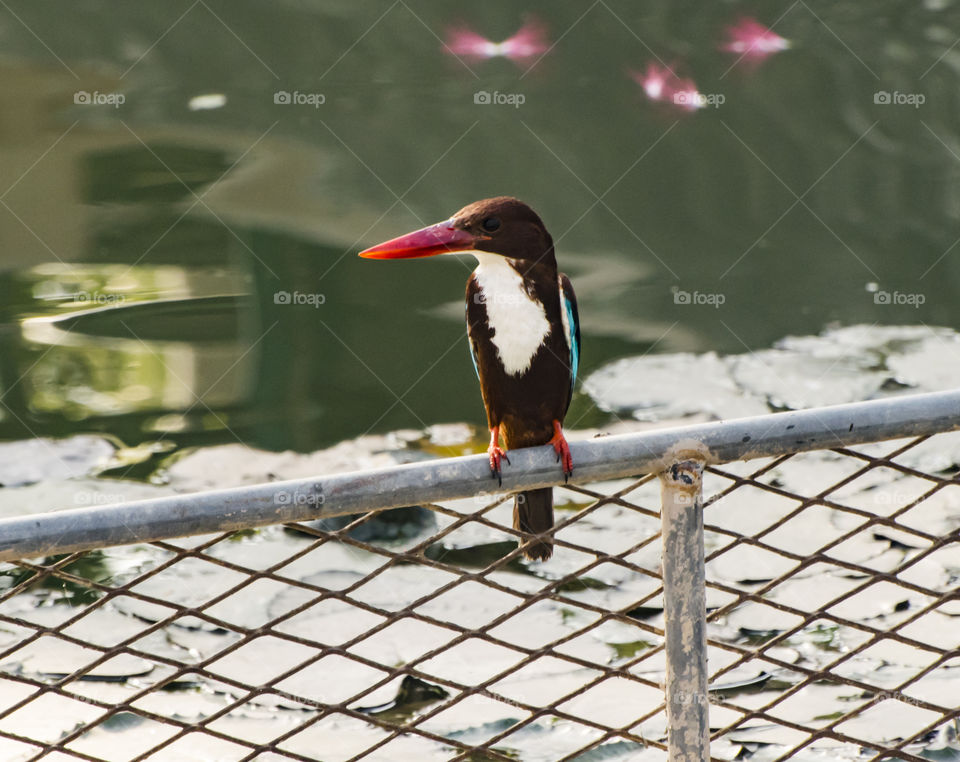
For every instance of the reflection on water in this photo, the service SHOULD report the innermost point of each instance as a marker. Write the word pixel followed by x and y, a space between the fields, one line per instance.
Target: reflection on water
pixel 83 372
pixel 116 340
pixel 145 247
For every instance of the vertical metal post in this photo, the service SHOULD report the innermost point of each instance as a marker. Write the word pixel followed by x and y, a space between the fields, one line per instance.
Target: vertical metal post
pixel 685 612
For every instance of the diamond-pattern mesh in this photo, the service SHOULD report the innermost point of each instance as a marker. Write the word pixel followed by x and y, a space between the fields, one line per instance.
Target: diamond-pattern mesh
pixel 832 629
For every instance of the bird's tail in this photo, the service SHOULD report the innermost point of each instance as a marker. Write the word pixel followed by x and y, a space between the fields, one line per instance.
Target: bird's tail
pixel 533 514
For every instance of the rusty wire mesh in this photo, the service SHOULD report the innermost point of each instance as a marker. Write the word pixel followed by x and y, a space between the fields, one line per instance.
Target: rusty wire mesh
pixel 831 594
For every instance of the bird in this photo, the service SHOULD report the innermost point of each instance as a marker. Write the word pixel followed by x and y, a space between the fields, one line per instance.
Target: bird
pixel 524 332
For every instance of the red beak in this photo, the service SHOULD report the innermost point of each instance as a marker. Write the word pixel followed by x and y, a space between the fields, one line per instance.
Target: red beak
pixel 441 238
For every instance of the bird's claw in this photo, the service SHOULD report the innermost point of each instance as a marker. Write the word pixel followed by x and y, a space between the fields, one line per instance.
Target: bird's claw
pixel 562 449
pixel 497 454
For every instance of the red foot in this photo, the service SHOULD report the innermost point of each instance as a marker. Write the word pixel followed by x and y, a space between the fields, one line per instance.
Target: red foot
pixel 496 453
pixel 562 449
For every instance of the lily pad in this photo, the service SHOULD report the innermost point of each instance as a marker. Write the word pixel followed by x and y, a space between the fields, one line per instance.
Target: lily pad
pixel 32 460
pixel 657 387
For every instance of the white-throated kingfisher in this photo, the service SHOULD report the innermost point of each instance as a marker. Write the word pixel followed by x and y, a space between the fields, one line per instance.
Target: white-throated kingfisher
pixel 524 331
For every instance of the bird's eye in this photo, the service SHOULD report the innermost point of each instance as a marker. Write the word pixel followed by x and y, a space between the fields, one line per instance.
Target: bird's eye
pixel 491 224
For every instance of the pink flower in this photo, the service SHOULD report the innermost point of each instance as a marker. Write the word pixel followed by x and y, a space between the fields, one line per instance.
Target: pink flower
pixel 467 44
pixel 529 41
pixel 655 81
pixel 661 84
pixel 750 39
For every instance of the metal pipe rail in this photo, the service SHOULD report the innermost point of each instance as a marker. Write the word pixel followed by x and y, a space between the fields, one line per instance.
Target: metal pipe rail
pixel 446 479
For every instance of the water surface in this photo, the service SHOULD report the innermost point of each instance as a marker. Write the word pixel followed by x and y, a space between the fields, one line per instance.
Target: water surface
pixel 147 249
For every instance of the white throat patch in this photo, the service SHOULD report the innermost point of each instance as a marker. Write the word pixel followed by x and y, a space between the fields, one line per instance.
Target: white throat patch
pixel 518 320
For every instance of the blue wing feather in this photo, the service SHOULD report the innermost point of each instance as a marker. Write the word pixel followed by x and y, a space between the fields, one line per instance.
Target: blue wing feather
pixel 473 346
pixel 473 356
pixel 574 343
pixel 573 321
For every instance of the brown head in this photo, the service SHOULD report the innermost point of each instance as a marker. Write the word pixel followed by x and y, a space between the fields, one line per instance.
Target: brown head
pixel 502 225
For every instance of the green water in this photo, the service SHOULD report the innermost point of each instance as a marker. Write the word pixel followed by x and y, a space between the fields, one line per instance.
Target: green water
pixel 145 247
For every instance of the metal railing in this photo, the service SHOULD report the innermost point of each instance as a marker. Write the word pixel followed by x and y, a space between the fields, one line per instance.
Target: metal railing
pixel 779 608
